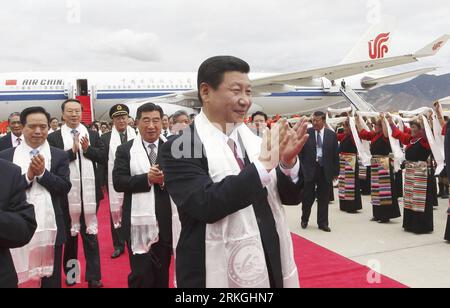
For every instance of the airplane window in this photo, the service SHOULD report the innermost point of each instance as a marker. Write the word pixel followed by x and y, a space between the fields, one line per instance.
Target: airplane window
pixel 139 87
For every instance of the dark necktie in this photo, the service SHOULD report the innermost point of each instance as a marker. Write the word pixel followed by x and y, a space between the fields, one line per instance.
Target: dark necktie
pixel 165 133
pixel 123 138
pixel 19 141
pixel 233 148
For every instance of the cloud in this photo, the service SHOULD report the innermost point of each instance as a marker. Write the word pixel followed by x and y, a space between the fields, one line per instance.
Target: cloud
pixel 126 43
pixel 177 35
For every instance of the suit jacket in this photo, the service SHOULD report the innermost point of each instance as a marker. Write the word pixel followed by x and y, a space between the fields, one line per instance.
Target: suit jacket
pixel 57 182
pixel 106 139
pixel 17 220
pixel 95 153
pixel 330 156
pixel 124 182
pixel 5 142
pixel 201 202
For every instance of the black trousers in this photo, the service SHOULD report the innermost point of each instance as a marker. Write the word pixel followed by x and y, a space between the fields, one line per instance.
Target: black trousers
pixel 118 243
pixel 150 270
pixel 318 188
pixel 91 251
pixel 54 282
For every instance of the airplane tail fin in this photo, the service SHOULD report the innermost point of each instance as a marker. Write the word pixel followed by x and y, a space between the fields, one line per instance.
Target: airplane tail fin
pixel 374 44
pixel 433 48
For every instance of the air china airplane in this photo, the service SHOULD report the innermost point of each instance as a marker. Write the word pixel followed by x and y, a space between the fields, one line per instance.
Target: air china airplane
pixel 285 94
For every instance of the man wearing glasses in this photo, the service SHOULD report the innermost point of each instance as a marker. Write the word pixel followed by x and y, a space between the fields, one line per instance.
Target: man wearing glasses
pixel 121 133
pixel 14 138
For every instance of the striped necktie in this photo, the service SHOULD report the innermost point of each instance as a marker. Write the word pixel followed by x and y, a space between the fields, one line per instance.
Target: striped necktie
pixel 153 156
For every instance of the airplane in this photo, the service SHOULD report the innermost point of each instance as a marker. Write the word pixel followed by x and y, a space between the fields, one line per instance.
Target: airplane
pixel 283 94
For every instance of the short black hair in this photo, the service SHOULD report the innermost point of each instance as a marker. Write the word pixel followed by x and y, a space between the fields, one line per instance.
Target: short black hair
pixel 259 113
pixel 320 114
pixel 70 100
pixel 51 120
pixel 149 107
pixel 212 70
pixel 32 110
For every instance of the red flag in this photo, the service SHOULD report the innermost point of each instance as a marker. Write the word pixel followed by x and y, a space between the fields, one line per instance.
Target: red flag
pixel 11 82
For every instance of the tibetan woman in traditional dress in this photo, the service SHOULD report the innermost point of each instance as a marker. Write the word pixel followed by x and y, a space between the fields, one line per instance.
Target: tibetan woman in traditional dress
pixel 418 191
pixel 384 194
pixel 349 187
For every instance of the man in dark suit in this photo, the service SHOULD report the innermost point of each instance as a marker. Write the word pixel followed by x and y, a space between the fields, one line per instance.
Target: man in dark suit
pixel 14 138
pixel 119 114
pixel 17 220
pixel 149 270
pixel 57 181
pixel 93 150
pixel 225 92
pixel 320 166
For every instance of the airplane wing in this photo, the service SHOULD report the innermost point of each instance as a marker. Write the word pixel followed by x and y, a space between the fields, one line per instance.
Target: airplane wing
pixel 397 77
pixel 346 70
pixel 187 99
pixel 287 82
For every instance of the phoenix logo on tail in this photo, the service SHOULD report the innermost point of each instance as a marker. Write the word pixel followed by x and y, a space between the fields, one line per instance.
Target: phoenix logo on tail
pixel 378 47
pixel 438 45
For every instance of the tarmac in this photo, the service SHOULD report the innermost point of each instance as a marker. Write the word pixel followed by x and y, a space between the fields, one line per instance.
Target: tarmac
pixel 417 261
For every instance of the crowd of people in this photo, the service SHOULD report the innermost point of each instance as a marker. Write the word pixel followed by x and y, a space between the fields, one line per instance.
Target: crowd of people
pixel 207 189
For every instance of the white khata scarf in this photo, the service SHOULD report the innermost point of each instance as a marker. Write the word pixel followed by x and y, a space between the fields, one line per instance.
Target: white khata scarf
pixel 35 260
pixel 144 225
pixel 115 198
pixel 234 251
pixel 87 179
pixel 399 155
pixel 438 152
pixel 362 146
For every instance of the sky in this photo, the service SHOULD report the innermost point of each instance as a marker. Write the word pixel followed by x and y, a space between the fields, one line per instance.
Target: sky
pixel 177 35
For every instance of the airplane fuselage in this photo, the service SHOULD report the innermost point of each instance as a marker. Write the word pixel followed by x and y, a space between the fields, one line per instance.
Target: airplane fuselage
pixel 22 90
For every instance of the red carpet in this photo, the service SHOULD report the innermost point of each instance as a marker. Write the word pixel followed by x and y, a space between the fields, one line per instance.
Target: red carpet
pixel 318 267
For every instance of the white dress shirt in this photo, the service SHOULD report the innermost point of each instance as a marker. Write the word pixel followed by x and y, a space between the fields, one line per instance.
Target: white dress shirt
pixel 320 150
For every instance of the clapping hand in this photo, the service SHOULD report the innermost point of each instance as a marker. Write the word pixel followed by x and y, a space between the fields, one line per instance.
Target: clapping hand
pixel 283 143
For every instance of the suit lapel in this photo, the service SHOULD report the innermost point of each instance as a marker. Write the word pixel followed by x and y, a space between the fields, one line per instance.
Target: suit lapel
pixel 60 139
pixel 10 140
